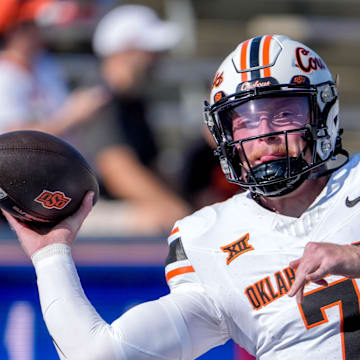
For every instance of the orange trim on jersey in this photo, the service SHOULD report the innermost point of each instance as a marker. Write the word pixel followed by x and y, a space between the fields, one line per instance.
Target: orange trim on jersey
pixel 174 231
pixel 179 271
pixel 356 290
pixel 266 55
pixel 244 75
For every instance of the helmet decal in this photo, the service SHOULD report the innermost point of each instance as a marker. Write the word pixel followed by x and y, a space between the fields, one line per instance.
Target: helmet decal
pixel 266 56
pixel 243 61
pixel 308 63
pixel 257 55
pixel 254 57
pixel 219 95
pixel 218 79
pixel 248 85
pixel 300 80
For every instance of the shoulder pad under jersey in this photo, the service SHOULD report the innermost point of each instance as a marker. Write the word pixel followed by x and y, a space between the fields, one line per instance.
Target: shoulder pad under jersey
pixel 185 234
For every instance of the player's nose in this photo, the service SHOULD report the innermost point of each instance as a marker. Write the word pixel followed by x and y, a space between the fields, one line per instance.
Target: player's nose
pixel 265 124
pixel 266 127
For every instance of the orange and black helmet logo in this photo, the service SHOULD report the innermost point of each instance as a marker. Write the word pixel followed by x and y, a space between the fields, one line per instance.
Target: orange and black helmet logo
pixel 300 80
pixel 218 79
pixel 218 96
pixel 306 62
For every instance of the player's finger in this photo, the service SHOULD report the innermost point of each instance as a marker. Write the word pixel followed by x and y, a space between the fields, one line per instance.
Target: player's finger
pixel 317 275
pixel 296 286
pixel 10 219
pixel 299 291
pixel 300 295
pixel 300 278
pixel 15 224
pixel 295 263
pixel 75 221
pixel 321 282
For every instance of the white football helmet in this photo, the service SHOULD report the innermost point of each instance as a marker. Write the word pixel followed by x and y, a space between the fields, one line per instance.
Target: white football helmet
pixel 268 67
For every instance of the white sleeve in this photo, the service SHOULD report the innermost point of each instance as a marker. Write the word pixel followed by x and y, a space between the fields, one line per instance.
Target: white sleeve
pixel 181 325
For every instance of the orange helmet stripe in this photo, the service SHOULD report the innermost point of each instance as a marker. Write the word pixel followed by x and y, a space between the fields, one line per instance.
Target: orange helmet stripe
pixel 244 75
pixel 266 55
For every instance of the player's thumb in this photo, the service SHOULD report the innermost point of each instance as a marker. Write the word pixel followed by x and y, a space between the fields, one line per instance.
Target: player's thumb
pixel 75 221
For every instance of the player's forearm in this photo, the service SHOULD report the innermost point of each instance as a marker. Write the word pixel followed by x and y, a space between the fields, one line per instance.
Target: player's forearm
pixel 147 332
pixel 180 326
pixel 77 329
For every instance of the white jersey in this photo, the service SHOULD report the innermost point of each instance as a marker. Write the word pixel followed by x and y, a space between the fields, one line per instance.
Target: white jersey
pixel 240 253
pixel 228 270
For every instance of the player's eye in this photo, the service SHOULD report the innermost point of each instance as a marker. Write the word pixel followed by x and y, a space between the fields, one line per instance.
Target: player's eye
pixel 244 122
pixel 284 117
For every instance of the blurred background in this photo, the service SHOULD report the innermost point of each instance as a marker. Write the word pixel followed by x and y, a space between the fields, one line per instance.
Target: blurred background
pixel 121 250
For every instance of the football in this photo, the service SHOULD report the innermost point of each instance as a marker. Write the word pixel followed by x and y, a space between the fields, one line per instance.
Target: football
pixel 43 179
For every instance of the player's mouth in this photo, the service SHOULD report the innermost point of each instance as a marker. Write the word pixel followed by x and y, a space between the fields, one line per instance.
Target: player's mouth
pixel 268 157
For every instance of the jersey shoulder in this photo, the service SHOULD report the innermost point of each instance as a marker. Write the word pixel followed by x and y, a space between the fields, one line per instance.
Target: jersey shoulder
pixel 202 226
pixel 200 233
pixel 349 172
pixel 345 181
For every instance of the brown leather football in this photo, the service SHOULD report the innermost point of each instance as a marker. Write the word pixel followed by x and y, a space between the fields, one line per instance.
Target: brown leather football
pixel 43 179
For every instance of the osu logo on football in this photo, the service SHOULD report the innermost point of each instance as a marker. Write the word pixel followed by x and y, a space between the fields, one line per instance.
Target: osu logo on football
pixel 53 200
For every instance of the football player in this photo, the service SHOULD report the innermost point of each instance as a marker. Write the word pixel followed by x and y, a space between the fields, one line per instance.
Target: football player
pixel 275 268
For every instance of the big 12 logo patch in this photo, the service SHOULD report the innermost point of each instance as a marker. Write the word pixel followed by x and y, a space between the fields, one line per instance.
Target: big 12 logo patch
pixel 52 199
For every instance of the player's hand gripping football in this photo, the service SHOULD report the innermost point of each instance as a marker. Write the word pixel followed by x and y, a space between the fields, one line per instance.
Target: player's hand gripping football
pixel 65 232
pixel 320 260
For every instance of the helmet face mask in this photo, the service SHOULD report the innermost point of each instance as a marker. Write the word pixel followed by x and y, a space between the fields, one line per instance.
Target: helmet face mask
pixel 292 89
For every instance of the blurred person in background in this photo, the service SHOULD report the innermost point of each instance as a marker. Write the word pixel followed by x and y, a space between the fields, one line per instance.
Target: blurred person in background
pixel 33 91
pixel 108 123
pixel 119 141
pixel 202 179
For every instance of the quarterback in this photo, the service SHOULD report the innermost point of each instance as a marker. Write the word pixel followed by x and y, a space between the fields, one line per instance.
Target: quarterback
pixel 275 268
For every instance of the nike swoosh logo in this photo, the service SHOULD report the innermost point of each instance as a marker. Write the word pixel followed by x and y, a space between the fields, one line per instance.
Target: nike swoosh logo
pixel 351 203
